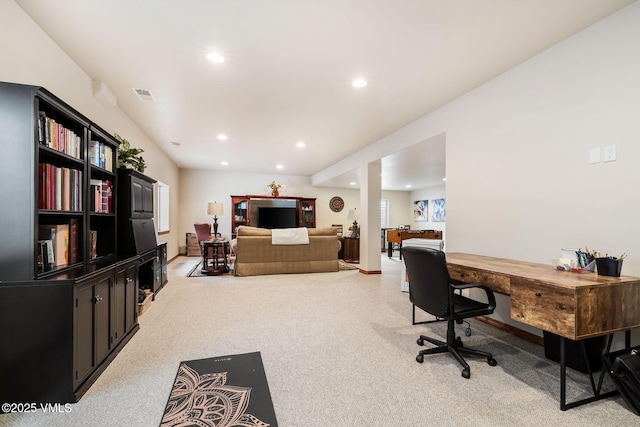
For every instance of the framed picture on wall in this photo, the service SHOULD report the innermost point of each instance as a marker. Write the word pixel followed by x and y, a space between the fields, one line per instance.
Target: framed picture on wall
pixel 421 210
pixel 439 209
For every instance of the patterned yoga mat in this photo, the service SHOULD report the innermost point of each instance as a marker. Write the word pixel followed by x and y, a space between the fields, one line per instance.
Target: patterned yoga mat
pixel 225 391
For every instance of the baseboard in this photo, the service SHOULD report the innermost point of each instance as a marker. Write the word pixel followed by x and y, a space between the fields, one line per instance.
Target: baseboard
pixel 528 336
pixel 370 271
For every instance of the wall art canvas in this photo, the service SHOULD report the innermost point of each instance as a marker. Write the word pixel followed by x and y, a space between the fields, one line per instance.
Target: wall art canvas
pixel 439 209
pixel 421 210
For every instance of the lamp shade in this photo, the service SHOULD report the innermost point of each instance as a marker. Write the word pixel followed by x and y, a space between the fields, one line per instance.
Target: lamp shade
pixel 353 215
pixel 215 209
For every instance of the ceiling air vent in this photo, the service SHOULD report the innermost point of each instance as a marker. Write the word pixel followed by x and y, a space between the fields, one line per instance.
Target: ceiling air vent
pixel 143 94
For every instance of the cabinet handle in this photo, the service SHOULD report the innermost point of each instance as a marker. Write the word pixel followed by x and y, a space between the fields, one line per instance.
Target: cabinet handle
pixel 97 299
pixel 129 280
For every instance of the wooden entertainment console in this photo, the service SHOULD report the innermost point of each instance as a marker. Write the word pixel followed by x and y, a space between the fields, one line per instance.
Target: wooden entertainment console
pixel 243 213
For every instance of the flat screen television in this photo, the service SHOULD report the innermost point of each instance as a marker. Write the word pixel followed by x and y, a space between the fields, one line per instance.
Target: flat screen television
pixel 276 217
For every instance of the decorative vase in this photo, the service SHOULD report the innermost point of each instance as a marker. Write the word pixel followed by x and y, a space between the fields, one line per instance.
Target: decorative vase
pixel 274 192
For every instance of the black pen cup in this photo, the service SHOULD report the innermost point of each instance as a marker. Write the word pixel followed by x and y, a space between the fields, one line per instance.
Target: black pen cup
pixel 609 266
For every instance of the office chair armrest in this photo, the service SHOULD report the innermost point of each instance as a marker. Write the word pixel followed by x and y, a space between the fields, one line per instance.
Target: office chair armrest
pixel 490 296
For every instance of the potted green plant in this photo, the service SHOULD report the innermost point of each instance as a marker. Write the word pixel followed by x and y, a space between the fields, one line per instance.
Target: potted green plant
pixel 128 157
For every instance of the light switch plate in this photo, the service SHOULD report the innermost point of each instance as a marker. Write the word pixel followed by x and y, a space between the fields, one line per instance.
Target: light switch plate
pixel 594 155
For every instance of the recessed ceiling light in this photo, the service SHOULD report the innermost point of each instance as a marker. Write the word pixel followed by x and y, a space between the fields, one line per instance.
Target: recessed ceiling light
pixel 359 83
pixel 408 186
pixel 222 137
pixel 352 183
pixel 300 144
pixel 444 179
pixel 279 166
pixel 215 57
pixel 223 163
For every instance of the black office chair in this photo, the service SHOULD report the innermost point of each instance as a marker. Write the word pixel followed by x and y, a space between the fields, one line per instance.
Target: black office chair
pixel 431 289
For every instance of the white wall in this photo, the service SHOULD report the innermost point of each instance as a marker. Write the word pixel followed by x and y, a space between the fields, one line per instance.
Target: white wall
pixel 519 184
pixel 29 56
pixel 518 149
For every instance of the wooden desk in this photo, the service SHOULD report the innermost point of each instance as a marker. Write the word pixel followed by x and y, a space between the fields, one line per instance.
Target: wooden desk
pixel 571 305
pixel 397 236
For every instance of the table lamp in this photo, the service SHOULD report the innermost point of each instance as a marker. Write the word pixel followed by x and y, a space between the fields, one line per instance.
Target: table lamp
pixel 215 209
pixel 355 216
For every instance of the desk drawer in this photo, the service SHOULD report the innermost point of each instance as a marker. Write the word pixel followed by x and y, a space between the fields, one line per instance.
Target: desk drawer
pixel 549 308
pixel 496 282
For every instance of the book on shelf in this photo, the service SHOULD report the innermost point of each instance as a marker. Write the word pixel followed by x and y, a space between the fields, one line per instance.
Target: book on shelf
pixel 47 235
pixel 93 248
pixel 57 236
pixel 45 254
pixel 74 240
pixel 59 188
pixel 101 155
pixel 62 245
pixel 101 196
pixel 53 135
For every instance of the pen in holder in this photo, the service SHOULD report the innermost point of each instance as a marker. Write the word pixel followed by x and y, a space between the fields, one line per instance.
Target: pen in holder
pixel 609 266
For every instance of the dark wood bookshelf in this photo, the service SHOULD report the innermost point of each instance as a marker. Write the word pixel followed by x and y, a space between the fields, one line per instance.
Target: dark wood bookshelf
pixel 68 318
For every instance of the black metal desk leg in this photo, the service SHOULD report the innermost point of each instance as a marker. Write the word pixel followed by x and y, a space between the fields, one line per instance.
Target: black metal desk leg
pixel 597 391
pixel 563 376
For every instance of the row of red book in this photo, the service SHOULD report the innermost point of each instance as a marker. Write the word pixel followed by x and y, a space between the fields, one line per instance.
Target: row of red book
pixel 101 196
pixel 53 135
pixel 59 188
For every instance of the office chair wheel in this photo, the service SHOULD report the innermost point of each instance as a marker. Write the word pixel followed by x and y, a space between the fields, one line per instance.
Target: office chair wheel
pixel 419 358
pixel 466 372
pixel 420 342
pixel 492 362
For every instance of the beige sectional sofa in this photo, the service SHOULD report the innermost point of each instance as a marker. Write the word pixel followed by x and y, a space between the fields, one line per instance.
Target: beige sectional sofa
pixel 256 255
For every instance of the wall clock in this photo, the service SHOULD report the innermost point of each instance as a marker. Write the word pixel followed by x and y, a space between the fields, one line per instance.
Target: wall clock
pixel 336 204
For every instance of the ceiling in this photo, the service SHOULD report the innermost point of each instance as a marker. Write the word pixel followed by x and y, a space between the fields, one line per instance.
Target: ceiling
pixel 289 67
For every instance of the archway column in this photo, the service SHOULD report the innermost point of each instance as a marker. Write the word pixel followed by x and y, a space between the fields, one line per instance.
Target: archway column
pixel 370 196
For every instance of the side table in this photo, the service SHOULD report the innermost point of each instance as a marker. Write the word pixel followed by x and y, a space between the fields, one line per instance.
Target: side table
pixel 214 260
pixel 352 249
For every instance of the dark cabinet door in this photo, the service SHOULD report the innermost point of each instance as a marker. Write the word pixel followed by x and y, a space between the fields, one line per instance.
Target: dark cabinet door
pixel 137 196
pixel 147 198
pixel 162 251
pixel 131 300
pixel 124 303
pixel 92 327
pixel 102 316
pixel 141 198
pixel 120 304
pixel 84 360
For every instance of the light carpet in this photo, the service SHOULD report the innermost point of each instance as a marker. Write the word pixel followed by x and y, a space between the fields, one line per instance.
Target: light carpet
pixel 338 350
